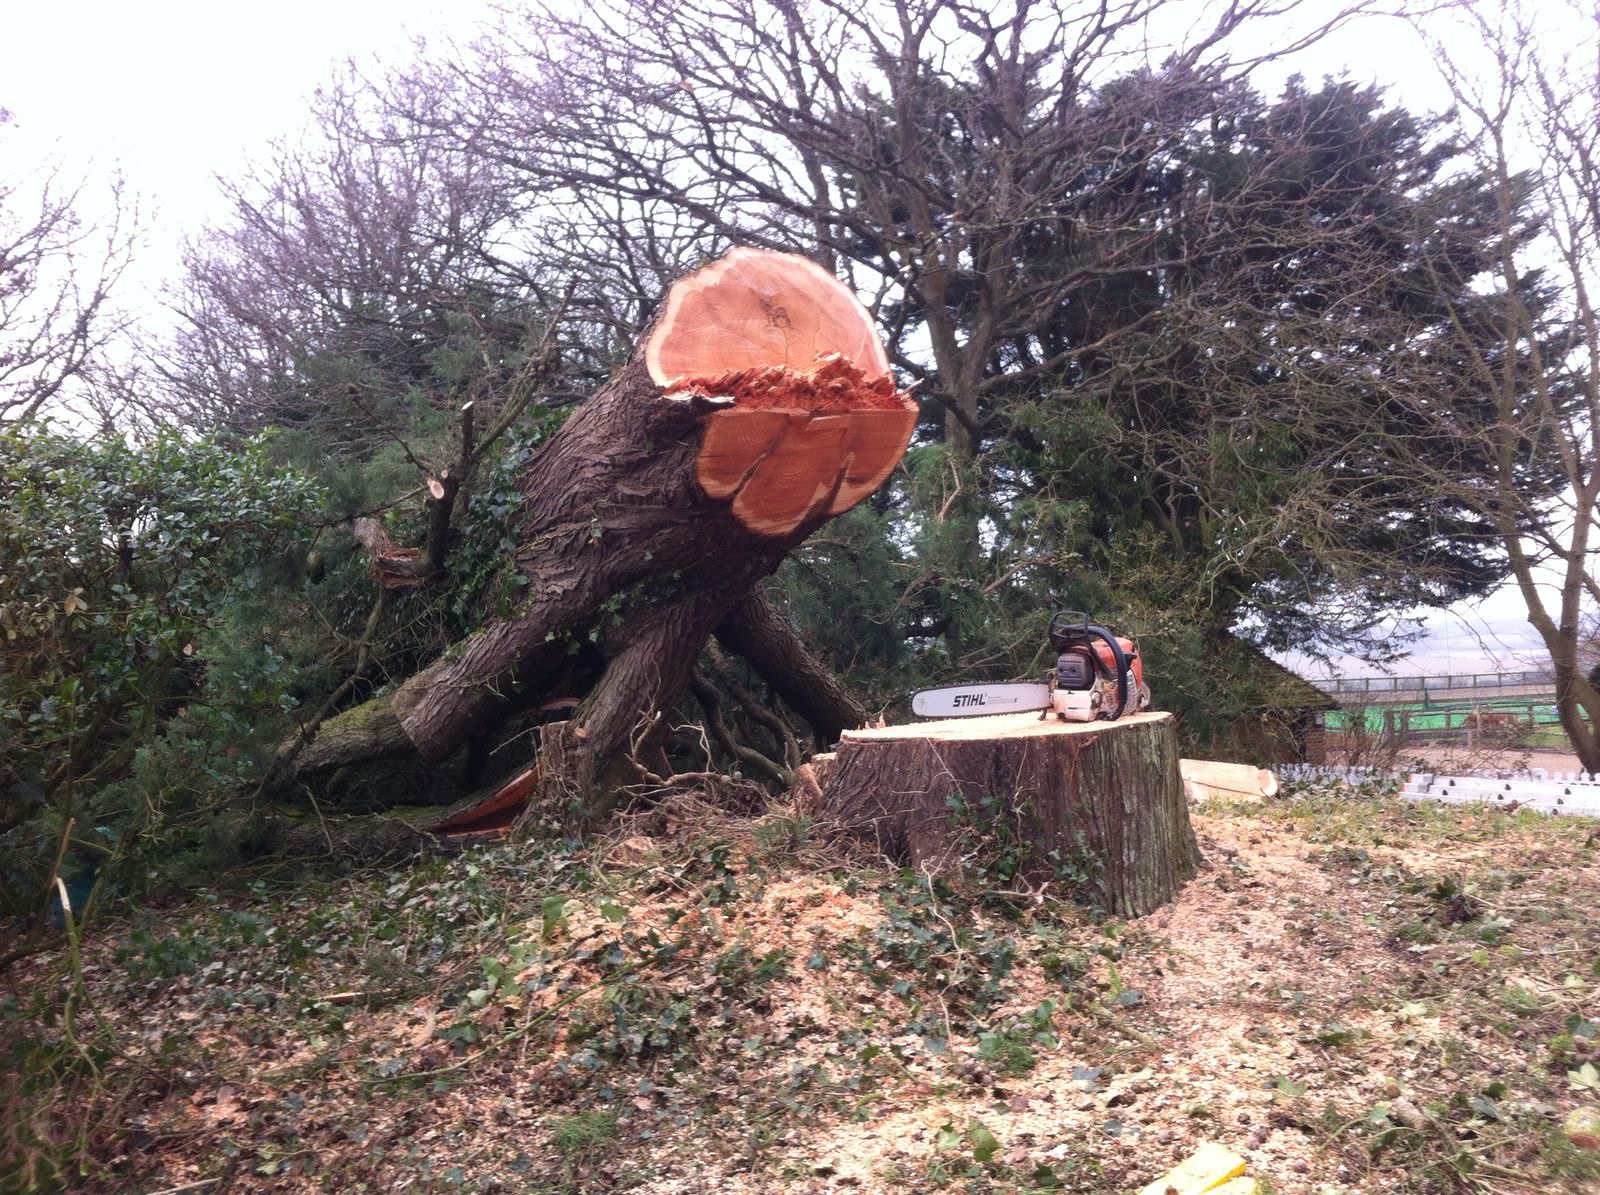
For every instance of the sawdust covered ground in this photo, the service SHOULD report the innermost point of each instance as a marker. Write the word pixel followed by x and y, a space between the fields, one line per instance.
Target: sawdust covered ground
pixel 1356 995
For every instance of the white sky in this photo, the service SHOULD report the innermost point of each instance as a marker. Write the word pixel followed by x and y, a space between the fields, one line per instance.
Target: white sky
pixel 179 87
pixel 175 92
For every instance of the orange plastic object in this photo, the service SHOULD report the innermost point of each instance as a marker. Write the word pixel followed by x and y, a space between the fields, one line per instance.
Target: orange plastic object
pixel 1102 651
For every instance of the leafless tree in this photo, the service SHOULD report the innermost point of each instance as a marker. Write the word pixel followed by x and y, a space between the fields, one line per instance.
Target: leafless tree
pixel 357 268
pixel 923 147
pixel 1535 118
pixel 58 268
pixel 1051 213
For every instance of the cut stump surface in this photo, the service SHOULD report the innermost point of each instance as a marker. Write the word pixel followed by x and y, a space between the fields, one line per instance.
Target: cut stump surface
pixel 1098 806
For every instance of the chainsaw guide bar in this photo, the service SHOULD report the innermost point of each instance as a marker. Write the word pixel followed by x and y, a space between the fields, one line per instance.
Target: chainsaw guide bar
pixel 962 700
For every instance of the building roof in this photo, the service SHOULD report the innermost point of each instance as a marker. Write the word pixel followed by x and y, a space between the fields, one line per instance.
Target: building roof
pixel 1281 688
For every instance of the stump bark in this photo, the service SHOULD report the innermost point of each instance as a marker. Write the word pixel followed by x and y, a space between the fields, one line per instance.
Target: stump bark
pixel 1098 806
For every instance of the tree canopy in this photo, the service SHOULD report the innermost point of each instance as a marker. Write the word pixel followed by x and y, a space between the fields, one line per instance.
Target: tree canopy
pixel 1152 315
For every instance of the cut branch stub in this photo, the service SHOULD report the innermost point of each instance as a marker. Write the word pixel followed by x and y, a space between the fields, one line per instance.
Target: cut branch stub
pixel 396 567
pixel 813 422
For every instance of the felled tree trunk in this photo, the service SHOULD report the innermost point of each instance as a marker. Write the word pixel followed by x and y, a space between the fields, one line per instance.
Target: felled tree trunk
pixel 1094 808
pixel 758 407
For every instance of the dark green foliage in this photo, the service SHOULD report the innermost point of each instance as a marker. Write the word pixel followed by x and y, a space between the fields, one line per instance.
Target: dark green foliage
pixel 165 630
pixel 126 683
pixel 319 618
pixel 174 609
pixel 1228 451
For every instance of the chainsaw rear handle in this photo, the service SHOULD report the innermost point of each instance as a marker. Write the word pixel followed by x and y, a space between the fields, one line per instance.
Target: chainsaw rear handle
pixel 1072 628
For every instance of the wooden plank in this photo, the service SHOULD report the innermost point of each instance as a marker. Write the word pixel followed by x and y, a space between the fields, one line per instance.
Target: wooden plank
pixel 1211 777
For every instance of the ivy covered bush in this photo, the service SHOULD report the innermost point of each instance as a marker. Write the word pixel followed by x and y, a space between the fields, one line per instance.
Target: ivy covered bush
pixel 126 676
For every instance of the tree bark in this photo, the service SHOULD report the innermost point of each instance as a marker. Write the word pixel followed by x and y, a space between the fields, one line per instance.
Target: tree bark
pixel 759 631
pixel 647 523
pixel 1094 806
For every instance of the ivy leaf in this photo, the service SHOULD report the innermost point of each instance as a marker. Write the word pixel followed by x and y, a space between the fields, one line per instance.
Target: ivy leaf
pixel 553 914
pixel 1585 1077
pixel 1485 1107
pixel 984 1143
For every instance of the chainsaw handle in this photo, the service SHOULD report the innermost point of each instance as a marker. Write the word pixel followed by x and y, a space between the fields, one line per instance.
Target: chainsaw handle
pixel 1121 657
pixel 1066 627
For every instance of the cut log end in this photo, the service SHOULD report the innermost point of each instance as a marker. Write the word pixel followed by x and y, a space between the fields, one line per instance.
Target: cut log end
pixel 1205 778
pixel 782 467
pixel 395 567
pixel 754 309
pixel 816 423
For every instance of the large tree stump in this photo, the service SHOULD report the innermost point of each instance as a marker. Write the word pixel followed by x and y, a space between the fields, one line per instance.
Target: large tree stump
pixel 1097 802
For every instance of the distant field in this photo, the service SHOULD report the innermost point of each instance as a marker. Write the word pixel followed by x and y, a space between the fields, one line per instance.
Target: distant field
pixel 1545 736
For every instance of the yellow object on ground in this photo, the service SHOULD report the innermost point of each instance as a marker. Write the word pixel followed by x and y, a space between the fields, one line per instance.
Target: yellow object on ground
pixel 1237 1186
pixel 1207 1169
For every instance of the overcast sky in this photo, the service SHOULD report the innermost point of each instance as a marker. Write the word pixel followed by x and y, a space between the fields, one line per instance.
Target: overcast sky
pixel 178 91
pixel 175 92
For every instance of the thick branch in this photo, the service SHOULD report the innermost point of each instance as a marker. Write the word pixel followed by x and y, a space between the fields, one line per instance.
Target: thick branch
pixel 758 631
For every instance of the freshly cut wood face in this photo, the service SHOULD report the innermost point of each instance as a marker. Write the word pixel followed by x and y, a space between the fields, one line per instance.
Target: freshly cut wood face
pixel 814 422
pixel 995 726
pixel 1234 778
pixel 753 309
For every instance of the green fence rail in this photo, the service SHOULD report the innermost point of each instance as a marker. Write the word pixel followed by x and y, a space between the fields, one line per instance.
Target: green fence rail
pixel 1435 720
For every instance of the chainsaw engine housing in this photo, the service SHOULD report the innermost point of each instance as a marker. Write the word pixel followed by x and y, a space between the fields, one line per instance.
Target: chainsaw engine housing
pixel 1097 674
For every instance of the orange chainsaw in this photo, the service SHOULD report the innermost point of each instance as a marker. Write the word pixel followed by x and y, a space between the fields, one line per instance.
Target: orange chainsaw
pixel 1097 675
